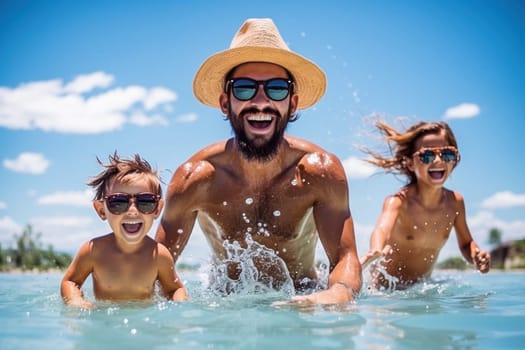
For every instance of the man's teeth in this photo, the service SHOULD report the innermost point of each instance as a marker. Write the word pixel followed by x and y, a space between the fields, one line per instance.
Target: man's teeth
pixel 260 118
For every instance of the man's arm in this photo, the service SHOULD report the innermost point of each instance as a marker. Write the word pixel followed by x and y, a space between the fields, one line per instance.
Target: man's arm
pixel 336 232
pixel 179 213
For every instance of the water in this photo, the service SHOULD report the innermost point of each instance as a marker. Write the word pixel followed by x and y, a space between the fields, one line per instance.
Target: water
pixel 456 310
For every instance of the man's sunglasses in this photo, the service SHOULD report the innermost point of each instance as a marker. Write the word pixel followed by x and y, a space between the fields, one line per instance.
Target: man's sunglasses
pixel 119 203
pixel 447 154
pixel 244 89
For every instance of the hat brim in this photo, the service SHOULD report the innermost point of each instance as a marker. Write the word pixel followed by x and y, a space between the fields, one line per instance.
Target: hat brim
pixel 208 83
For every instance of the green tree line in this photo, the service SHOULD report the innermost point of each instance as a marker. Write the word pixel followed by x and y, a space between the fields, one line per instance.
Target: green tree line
pixel 28 254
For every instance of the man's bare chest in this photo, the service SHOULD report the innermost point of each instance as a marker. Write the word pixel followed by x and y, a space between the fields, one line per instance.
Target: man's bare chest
pixel 277 210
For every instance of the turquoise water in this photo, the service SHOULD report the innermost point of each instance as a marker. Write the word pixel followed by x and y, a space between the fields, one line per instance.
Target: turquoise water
pixel 456 310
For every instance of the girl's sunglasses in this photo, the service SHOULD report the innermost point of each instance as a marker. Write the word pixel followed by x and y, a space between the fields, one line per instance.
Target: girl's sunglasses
pixel 119 203
pixel 244 89
pixel 447 154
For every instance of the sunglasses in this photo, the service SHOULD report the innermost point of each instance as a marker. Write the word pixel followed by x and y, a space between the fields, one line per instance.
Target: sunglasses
pixel 244 89
pixel 447 154
pixel 119 203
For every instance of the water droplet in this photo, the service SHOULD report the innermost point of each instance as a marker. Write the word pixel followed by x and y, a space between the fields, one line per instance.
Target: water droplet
pixel 125 321
pixel 276 213
pixel 133 331
pixel 426 223
pixel 249 201
pixel 415 227
pixel 294 182
pixel 225 203
pixel 180 231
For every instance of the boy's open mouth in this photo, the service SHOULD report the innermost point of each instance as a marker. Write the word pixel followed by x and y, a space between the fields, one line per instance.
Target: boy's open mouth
pixel 132 227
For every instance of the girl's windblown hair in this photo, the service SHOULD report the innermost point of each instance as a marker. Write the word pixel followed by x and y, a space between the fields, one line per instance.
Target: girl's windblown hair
pixel 402 145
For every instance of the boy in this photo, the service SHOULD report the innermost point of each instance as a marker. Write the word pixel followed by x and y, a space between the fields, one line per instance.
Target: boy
pixel 126 263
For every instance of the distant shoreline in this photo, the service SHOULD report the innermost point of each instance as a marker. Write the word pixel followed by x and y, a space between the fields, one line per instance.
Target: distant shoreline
pixel 31 272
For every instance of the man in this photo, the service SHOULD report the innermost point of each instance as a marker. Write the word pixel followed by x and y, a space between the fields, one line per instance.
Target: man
pixel 277 191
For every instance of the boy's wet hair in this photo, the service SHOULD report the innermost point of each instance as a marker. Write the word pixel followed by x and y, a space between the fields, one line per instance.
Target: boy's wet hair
pixel 402 145
pixel 122 170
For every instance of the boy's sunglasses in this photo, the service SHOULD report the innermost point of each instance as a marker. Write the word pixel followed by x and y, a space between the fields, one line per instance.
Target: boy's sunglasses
pixel 447 154
pixel 244 89
pixel 119 203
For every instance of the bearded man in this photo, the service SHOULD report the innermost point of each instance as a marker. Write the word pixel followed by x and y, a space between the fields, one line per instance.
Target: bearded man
pixel 261 187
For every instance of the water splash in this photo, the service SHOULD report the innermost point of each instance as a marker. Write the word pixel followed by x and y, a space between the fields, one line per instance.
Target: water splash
pixel 377 269
pixel 260 270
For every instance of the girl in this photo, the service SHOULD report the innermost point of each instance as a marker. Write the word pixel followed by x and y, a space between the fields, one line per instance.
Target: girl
pixel 416 222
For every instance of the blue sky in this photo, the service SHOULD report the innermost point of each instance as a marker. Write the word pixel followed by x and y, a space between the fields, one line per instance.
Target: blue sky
pixel 81 79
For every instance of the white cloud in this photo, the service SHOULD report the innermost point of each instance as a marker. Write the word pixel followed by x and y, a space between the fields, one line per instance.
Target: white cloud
pixel 505 199
pixel 3 205
pixel 141 119
pixel 484 221
pixel 158 96
pixel 68 233
pixel 78 199
pixel 186 118
pixel 86 83
pixel 74 108
pixel 32 163
pixel 462 111
pixel 8 228
pixel 356 168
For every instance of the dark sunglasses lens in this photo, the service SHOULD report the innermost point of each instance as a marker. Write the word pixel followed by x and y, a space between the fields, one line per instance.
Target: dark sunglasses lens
pixel 147 203
pixel 118 204
pixel 448 155
pixel 427 156
pixel 277 89
pixel 244 89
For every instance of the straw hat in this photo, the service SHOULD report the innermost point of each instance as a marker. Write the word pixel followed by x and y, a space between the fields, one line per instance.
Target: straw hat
pixel 258 40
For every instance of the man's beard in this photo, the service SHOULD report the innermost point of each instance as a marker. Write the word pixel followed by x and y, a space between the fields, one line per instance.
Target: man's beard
pixel 249 149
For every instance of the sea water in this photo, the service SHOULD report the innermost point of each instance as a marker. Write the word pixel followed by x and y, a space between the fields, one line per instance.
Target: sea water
pixel 454 310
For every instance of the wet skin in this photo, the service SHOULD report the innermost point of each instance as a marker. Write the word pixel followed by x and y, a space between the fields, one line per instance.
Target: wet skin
pixel 286 202
pixel 416 222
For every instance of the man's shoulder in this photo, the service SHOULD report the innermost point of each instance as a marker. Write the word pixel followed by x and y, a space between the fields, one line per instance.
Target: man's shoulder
pixel 209 152
pixel 315 160
pixel 203 158
pixel 303 145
